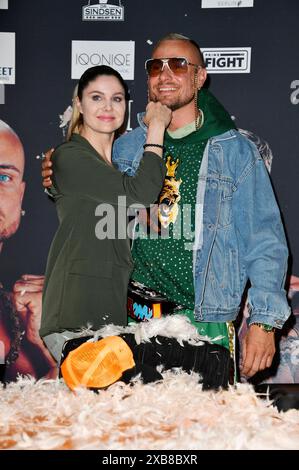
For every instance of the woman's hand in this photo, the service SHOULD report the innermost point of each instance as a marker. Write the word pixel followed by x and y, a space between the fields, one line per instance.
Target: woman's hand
pixel 157 113
pixel 157 119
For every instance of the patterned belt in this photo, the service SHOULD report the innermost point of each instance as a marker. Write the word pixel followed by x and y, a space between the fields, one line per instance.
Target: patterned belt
pixel 144 303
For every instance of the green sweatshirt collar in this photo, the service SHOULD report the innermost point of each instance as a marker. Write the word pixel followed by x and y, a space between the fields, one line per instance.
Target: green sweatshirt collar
pixel 216 121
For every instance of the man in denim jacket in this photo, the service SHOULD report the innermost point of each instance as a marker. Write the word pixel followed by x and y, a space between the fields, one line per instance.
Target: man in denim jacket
pixel 238 230
pixel 238 233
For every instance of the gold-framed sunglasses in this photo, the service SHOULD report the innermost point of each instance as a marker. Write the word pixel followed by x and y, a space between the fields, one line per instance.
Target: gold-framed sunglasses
pixel 177 65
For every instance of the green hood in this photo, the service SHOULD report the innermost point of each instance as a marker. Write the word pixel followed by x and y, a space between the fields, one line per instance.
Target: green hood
pixel 216 119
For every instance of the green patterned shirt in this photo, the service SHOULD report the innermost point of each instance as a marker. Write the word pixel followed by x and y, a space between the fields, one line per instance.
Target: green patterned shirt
pixel 165 263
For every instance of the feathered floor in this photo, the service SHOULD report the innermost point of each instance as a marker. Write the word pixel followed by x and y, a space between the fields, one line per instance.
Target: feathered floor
pixel 171 414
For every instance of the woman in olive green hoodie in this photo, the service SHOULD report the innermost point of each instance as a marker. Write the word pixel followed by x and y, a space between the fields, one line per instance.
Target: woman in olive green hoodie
pixel 90 262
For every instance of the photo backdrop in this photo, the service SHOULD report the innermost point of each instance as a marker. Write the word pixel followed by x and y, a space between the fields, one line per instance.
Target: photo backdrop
pixel 264 101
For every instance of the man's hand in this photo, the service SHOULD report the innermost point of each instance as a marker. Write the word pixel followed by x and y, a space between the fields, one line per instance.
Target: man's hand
pixel 46 169
pixel 258 350
pixel 27 299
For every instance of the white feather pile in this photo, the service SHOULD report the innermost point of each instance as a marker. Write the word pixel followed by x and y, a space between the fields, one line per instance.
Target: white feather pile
pixel 172 414
pixel 171 326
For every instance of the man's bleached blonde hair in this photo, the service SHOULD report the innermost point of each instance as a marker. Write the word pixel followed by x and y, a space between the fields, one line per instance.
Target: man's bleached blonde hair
pixel 181 37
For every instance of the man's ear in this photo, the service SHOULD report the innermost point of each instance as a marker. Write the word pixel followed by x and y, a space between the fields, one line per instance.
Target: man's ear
pixel 201 77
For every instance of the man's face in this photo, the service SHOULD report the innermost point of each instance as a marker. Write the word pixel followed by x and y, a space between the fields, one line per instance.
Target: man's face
pixel 11 184
pixel 175 91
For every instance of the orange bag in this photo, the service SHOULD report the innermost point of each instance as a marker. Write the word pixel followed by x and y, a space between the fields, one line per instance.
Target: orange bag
pixel 97 364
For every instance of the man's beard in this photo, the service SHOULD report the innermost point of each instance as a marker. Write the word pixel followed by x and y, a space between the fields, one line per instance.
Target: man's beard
pixel 173 106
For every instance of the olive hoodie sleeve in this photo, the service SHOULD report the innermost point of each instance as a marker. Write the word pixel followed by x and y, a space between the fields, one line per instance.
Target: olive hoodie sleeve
pixel 80 172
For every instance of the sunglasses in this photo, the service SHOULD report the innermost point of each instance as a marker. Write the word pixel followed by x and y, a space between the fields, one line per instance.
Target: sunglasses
pixel 177 65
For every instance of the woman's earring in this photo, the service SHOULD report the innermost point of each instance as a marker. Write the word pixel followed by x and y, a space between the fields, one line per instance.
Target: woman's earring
pixel 23 212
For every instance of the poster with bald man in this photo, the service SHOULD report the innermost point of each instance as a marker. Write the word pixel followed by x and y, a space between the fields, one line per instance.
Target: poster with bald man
pixel 21 348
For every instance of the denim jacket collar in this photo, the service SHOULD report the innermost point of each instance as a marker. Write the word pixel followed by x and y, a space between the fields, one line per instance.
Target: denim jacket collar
pixel 140 117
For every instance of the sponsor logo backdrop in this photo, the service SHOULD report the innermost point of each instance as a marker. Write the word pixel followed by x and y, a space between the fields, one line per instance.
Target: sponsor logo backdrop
pixel 116 54
pixel 3 4
pixel 227 59
pixel 7 58
pixel 226 3
pixel 103 12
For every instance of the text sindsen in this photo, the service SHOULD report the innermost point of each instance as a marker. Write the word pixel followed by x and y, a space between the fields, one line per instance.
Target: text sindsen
pixel 102 13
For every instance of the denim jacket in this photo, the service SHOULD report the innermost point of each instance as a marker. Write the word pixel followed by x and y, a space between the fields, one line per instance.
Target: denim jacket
pixel 238 230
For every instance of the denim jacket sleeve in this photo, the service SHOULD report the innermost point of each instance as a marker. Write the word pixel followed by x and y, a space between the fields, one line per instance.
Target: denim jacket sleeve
pixel 262 241
pixel 128 151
